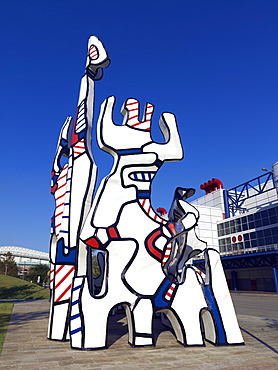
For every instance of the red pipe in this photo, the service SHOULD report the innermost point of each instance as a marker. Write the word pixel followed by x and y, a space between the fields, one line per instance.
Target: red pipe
pixel 212 185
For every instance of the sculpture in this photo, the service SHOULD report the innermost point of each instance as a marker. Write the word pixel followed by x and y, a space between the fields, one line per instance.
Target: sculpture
pixel 143 259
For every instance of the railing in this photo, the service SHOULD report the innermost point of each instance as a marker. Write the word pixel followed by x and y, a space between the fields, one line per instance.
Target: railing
pixel 264 248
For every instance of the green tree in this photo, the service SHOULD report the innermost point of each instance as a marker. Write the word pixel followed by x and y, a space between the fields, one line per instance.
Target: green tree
pixel 8 265
pixel 38 274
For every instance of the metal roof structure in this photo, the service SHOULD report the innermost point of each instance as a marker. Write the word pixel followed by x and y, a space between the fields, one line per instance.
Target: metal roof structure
pixel 24 252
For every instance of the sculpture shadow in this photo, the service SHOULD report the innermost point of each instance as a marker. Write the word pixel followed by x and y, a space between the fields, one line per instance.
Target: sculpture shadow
pixel 118 328
pixel 159 327
pixel 271 323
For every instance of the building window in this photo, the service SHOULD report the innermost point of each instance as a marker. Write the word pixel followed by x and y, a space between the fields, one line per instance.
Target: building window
pixel 247 244
pixel 273 219
pixel 254 243
pixel 232 227
pixel 238 225
pixel 274 231
pixel 267 232
pixel 220 229
pixel 222 249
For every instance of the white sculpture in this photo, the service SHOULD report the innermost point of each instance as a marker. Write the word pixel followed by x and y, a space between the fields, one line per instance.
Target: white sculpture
pixel 143 260
pixel 72 185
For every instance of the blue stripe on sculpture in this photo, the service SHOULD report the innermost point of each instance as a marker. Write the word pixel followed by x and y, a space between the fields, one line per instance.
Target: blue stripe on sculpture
pixel 215 312
pixel 73 317
pixel 77 287
pixel 75 331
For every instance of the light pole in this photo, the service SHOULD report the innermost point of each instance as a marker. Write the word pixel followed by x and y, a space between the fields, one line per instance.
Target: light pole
pixel 274 173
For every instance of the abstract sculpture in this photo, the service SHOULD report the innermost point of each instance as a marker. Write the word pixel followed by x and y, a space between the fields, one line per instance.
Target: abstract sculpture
pixel 115 249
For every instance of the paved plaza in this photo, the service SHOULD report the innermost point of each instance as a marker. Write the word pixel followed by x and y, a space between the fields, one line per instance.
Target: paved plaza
pixel 26 346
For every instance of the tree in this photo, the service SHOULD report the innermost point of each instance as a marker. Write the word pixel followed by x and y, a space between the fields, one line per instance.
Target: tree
pixel 38 274
pixel 8 265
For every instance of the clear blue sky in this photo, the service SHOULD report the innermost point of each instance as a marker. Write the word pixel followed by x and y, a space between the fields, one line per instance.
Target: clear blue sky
pixel 212 63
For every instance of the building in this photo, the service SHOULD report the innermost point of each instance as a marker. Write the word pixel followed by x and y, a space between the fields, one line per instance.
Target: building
pixel 26 258
pixel 242 223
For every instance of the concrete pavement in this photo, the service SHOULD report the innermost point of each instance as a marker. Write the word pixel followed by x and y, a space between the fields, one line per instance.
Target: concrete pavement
pixel 26 346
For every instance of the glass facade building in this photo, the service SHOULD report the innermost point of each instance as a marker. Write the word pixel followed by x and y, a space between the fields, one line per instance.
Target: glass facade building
pixel 255 231
pixel 245 231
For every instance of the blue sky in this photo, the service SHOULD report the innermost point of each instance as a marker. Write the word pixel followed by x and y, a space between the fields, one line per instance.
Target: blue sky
pixel 212 63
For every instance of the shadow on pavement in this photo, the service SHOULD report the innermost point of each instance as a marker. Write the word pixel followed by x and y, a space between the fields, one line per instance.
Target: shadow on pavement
pixel 259 340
